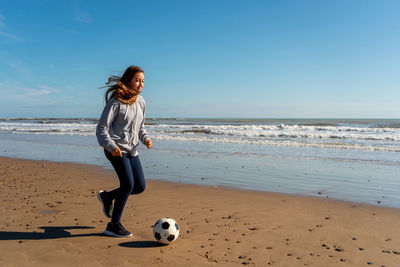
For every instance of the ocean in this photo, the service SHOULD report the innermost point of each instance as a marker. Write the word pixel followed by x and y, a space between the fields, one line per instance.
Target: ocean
pixel 355 160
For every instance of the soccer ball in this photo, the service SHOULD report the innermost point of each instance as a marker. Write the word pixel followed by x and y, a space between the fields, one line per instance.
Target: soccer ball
pixel 166 230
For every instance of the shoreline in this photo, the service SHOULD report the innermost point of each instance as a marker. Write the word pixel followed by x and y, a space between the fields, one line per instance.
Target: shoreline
pixel 350 175
pixel 111 172
pixel 51 216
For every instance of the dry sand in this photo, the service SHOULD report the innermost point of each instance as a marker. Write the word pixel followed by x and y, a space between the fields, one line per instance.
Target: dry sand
pixel 50 216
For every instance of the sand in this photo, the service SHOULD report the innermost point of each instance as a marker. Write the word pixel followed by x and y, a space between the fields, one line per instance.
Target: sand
pixel 50 216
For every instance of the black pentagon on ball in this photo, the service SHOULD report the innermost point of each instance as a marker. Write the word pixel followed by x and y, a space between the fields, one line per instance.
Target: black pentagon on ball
pixel 157 236
pixel 176 226
pixel 170 238
pixel 165 225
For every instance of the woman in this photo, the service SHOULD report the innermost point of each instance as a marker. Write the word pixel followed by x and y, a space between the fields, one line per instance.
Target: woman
pixel 119 130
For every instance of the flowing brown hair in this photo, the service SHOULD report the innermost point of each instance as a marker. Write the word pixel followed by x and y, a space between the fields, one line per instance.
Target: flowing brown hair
pixel 125 79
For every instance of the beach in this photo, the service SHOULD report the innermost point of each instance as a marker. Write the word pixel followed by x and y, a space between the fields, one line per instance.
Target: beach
pixel 51 217
pixel 268 130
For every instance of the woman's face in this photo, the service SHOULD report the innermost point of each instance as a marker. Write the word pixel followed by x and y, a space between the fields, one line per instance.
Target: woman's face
pixel 137 82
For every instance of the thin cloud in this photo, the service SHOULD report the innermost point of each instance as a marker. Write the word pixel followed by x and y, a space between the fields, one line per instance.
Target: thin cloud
pixel 17 65
pixel 48 88
pixel 42 90
pixel 82 16
pixel 16 92
pixel 8 35
pixel 36 93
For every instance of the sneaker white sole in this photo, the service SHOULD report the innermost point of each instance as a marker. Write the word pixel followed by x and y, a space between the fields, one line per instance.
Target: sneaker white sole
pixel 109 233
pixel 102 204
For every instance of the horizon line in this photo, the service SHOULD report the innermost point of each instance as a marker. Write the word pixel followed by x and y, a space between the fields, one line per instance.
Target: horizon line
pixel 208 118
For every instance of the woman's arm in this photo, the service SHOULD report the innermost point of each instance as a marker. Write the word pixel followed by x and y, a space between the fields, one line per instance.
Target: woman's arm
pixel 103 127
pixel 142 130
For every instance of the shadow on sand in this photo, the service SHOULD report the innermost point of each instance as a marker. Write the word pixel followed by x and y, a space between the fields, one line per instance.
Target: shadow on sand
pixel 141 244
pixel 50 232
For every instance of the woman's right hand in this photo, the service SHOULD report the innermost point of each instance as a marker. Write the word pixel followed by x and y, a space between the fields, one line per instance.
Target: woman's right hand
pixel 116 152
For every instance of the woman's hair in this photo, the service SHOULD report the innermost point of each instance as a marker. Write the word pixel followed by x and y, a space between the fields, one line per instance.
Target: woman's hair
pixel 125 79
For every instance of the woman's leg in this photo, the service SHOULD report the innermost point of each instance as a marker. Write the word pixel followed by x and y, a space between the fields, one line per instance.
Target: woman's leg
pixel 122 167
pixel 139 183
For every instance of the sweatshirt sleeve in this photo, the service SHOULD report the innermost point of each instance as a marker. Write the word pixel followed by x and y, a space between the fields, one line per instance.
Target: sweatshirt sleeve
pixel 142 131
pixel 103 127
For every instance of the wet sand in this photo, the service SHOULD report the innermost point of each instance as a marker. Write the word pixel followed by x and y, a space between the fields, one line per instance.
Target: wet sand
pixel 50 216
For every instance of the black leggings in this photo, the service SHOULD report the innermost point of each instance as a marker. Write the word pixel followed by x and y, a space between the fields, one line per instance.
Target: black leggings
pixel 131 180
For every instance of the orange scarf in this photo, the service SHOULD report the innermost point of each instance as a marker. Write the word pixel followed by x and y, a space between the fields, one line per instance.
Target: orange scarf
pixel 124 94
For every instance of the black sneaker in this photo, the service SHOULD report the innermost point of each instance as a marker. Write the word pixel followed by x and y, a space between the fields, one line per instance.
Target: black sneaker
pixel 107 204
pixel 116 230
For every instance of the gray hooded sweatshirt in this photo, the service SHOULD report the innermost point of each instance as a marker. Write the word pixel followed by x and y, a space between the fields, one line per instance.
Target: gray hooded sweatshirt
pixel 122 125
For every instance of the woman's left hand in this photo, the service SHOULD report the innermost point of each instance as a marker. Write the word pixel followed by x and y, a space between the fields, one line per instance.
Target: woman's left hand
pixel 149 144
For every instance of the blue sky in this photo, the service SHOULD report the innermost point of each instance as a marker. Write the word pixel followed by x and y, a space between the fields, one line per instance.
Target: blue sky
pixel 220 58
